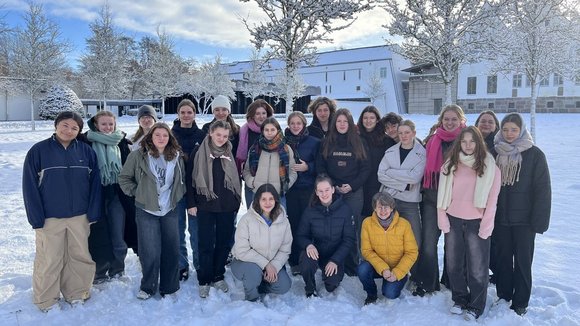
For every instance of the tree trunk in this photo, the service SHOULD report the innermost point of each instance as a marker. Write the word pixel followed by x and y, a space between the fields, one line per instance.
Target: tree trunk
pixel 104 103
pixel 163 105
pixel 32 123
pixel 533 111
pixel 448 99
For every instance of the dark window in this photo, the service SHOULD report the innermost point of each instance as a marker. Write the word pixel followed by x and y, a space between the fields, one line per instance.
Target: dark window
pixel 491 84
pixel 511 105
pixel 358 88
pixel 471 106
pixel 471 85
pixel 517 81
pixel 490 105
pixel 550 104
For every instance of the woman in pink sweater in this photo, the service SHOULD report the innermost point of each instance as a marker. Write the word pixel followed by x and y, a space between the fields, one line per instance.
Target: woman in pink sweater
pixel 466 202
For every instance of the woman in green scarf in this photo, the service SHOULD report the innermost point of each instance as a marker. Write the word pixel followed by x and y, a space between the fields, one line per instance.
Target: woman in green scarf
pixel 106 240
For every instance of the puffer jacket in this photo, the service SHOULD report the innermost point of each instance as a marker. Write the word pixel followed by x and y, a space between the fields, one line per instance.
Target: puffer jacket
pixel 258 243
pixel 403 181
pixel 529 200
pixel 394 249
pixel 269 171
pixel 329 229
pixel 137 180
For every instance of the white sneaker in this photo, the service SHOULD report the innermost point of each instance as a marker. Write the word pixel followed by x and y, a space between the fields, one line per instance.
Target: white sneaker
pixel 204 291
pixel 221 285
pixel 470 315
pixel 76 302
pixel 456 309
pixel 142 295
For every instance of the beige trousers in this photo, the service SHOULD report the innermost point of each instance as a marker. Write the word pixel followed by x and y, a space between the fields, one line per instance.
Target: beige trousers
pixel 63 262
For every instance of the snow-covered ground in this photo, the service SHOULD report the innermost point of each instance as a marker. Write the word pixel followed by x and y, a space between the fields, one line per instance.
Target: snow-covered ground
pixel 555 295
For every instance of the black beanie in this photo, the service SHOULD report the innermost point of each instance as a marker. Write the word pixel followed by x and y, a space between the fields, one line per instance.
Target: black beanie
pixel 147 110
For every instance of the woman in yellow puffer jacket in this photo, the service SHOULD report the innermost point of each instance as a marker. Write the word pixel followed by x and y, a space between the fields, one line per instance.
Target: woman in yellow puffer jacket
pixel 388 247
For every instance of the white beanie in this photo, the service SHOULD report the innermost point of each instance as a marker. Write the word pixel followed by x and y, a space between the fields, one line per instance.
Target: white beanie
pixel 221 101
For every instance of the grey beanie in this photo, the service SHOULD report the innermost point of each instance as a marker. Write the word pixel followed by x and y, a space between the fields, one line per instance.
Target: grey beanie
pixel 147 110
pixel 221 101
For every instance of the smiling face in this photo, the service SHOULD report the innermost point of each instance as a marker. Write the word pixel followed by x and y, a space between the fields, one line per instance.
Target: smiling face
pixel 486 124
pixel 450 121
pixel 383 212
pixel 160 139
pixel 219 136
pixel 186 116
pixel 66 131
pixel 106 124
pixel 267 203
pixel 468 144
pixel 323 113
pixel 342 124
pixel 270 131
pixel 324 191
pixel 391 129
pixel 296 125
pixel 220 113
pixel 369 121
pixel 510 132
pixel 260 115
pixel 146 122
pixel 406 136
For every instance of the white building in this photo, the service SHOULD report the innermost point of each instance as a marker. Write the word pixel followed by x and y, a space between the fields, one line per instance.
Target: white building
pixel 344 75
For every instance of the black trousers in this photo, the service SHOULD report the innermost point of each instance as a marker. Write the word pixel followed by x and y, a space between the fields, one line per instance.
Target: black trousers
pixel 514 255
pixel 308 268
pixel 296 200
pixel 214 234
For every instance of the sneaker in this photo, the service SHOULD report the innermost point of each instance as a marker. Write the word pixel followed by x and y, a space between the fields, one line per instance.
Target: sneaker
pixel 203 291
pixel 419 292
pixel 470 315
pixel 456 309
pixel 184 274
pixel 100 280
pixel 370 299
pixel 221 285
pixel 142 295
pixel 500 302
pixel 171 296
pixel 76 302
pixel 312 294
pixel 121 277
pixel 295 270
pixel 519 310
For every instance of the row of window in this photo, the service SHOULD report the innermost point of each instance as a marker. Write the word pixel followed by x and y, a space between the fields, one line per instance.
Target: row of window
pixel 517 81
pixel 382 74
pixel 512 105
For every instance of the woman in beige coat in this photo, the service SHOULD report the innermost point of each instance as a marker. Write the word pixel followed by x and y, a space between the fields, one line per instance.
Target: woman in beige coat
pixel 262 245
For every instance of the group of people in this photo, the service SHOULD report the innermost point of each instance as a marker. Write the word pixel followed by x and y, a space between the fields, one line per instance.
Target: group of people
pixel 368 199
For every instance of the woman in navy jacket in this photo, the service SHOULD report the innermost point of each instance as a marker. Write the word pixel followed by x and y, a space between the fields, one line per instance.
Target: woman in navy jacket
pixel 61 188
pixel 325 237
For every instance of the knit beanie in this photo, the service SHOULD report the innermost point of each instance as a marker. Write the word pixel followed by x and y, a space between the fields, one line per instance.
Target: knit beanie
pixel 147 110
pixel 221 101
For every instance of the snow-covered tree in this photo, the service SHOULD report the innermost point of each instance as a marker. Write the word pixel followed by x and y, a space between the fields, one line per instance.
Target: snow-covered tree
pixel 104 66
pixel 293 28
pixel 255 83
pixel 446 33
pixel 59 98
pixel 537 38
pixel 207 81
pixel 374 88
pixel 37 54
pixel 164 69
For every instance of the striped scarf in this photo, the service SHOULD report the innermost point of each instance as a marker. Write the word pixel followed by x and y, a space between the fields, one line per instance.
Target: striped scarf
pixel 277 144
pixel 294 140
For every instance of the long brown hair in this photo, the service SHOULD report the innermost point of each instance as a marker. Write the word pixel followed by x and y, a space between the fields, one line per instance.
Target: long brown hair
pixel 376 137
pixel 352 136
pixel 259 103
pixel 479 153
pixel 277 210
pixel 172 149
pixel 313 106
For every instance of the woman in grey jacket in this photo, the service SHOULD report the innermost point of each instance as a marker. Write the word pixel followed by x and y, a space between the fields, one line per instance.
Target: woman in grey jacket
pixel 154 175
pixel 400 173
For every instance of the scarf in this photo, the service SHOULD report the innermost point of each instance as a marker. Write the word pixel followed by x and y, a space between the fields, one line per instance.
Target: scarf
pixel 294 140
pixel 242 152
pixel 509 156
pixel 482 184
pixel 435 154
pixel 387 222
pixel 277 144
pixel 108 154
pixel 203 169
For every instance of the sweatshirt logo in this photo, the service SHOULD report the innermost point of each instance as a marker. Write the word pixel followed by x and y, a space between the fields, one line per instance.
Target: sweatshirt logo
pixel 347 154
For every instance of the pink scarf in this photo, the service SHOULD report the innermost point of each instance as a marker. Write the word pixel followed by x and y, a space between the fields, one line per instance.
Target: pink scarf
pixel 242 152
pixel 435 155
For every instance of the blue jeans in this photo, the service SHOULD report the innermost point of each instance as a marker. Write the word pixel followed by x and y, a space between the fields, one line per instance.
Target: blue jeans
pixel 158 251
pixel 410 211
pixel 367 275
pixel 192 228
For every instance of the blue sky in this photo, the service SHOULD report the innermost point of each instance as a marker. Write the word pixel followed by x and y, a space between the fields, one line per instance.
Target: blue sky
pixel 201 29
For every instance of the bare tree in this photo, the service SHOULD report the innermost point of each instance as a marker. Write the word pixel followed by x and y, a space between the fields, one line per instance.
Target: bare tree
pixel 294 27
pixel 164 69
pixel 374 87
pixel 37 54
pixel 104 66
pixel 537 38
pixel 255 83
pixel 207 81
pixel 446 33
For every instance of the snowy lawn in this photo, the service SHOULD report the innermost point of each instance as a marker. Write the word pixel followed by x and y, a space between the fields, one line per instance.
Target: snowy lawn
pixel 555 295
